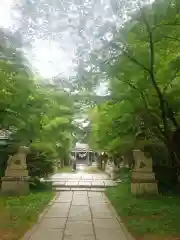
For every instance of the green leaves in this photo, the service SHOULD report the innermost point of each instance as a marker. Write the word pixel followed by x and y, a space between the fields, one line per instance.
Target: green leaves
pixel 35 111
pixel 58 122
pixel 142 66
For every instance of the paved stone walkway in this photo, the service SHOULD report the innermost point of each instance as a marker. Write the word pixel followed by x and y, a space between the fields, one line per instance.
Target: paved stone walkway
pixel 69 181
pixel 79 216
pixel 81 181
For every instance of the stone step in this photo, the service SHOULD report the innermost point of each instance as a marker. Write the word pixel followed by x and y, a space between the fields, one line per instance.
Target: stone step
pixel 78 186
pixel 83 185
pixel 78 189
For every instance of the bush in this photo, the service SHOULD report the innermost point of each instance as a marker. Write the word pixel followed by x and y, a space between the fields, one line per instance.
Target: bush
pixel 40 164
pixel 165 174
pixel 37 185
pixel 3 161
pixel 159 154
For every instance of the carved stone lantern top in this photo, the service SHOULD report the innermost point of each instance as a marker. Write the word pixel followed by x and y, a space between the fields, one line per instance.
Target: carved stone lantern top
pixel 141 162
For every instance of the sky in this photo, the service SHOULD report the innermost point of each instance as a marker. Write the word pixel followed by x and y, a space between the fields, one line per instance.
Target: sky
pixel 46 56
pixel 62 32
pixel 54 43
pixel 5 18
pixel 59 29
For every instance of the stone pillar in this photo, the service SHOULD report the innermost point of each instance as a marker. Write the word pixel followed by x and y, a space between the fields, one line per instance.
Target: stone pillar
pixel 143 179
pixel 88 159
pixel 96 161
pixel 16 179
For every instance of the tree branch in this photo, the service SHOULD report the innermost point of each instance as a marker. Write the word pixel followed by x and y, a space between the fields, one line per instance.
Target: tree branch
pixel 152 75
pixel 136 61
pixel 146 104
pixel 167 37
pixel 172 79
pixel 171 38
pixel 166 25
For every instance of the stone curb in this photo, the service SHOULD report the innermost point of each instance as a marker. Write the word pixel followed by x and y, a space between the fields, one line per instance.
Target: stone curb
pixel 29 233
pixel 124 228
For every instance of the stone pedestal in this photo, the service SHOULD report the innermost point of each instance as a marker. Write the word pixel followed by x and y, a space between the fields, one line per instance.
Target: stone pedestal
pixel 15 186
pixel 111 170
pixel 143 179
pixel 15 181
pixel 114 172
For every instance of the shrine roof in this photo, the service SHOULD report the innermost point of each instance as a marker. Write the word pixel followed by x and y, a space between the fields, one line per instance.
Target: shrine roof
pixel 81 147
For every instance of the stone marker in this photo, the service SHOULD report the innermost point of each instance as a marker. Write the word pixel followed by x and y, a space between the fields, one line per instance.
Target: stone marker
pixel 107 167
pixel 143 178
pixel 114 172
pixel 111 170
pixel 15 181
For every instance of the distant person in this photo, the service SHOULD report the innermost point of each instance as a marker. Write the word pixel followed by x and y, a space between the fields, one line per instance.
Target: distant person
pixel 73 162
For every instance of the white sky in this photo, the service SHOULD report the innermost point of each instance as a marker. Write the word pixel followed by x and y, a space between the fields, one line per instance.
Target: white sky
pixel 50 60
pixel 47 56
pixel 5 16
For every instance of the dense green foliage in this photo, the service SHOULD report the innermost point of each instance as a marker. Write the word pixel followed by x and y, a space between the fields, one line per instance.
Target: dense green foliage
pixel 141 64
pixel 36 113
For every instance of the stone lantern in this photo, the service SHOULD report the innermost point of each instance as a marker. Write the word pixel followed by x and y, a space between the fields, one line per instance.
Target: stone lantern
pixel 143 178
pixel 16 179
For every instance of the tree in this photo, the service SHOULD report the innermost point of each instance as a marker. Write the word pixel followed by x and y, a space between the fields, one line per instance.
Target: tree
pixel 142 61
pixel 36 114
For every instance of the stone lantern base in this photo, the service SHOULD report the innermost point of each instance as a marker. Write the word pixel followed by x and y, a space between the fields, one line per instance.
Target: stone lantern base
pixel 15 186
pixel 143 183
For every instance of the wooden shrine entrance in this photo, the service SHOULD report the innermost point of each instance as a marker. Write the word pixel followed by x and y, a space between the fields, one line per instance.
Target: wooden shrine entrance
pixel 83 154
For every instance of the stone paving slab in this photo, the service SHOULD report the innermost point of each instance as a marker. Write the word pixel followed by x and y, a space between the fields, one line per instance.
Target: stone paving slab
pixel 95 194
pixel 85 183
pixel 58 210
pixel 74 181
pixel 80 215
pixel 74 237
pixel 79 200
pixel 47 234
pixel 79 176
pixel 79 189
pixel 87 177
pixel 98 183
pixel 97 189
pixel 53 223
pixel 79 228
pixel 70 183
pixel 80 211
pixel 84 193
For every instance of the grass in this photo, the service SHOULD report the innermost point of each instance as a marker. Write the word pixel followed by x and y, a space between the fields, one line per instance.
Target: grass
pixel 66 169
pixel 18 214
pixel 147 218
